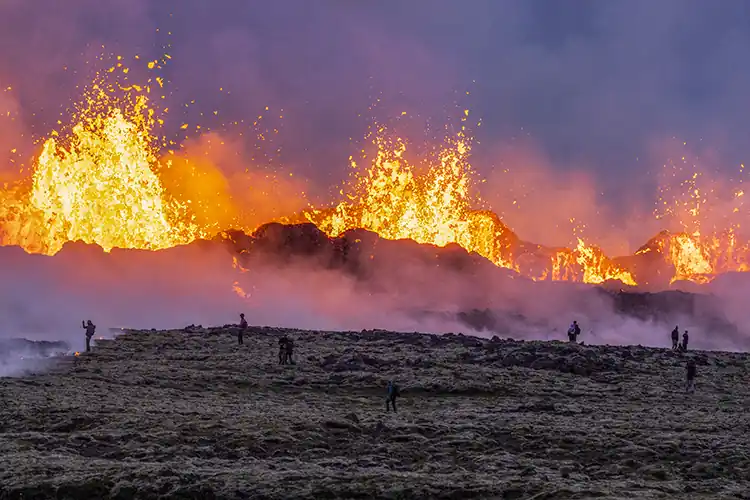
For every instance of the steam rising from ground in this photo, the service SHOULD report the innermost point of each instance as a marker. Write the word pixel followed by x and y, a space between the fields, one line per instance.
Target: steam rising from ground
pixel 45 298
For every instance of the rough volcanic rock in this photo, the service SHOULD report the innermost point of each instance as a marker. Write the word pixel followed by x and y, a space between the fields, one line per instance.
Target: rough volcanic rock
pixel 193 415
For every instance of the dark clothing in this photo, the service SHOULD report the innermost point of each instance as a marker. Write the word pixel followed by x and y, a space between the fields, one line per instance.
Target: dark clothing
pixel 684 341
pixel 390 401
pixel 90 330
pixel 289 351
pixel 282 350
pixel 675 338
pixel 573 332
pixel 691 373
pixel 243 327
pixel 392 392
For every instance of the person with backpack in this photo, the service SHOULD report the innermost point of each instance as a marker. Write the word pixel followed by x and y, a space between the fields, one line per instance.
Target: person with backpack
pixel 675 338
pixel 392 392
pixel 574 331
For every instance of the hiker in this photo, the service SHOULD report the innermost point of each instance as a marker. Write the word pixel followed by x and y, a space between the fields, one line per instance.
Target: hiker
pixel 289 351
pixel 90 329
pixel 574 331
pixel 282 349
pixel 392 393
pixel 684 341
pixel 243 327
pixel 675 338
pixel 691 372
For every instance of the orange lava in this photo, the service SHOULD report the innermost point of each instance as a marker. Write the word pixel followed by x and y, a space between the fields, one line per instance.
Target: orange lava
pixel 101 181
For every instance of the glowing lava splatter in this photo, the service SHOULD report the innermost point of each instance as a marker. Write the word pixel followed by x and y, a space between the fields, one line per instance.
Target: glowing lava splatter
pixel 97 182
pixel 392 200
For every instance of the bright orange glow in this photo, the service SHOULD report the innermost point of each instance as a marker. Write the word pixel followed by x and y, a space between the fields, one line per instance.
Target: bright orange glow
pixel 107 179
pixel 392 200
pixel 98 183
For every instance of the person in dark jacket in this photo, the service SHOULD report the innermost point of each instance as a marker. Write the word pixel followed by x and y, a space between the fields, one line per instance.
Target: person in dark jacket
pixel 691 373
pixel 282 349
pixel 675 338
pixel 392 392
pixel 685 339
pixel 574 331
pixel 243 327
pixel 289 352
pixel 90 330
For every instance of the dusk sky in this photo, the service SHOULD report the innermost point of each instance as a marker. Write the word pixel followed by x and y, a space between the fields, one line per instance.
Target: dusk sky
pixel 606 88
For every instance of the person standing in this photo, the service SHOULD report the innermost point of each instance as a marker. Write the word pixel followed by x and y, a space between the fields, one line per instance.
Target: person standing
pixel 90 330
pixel 289 352
pixel 675 338
pixel 243 327
pixel 282 349
pixel 392 392
pixel 691 373
pixel 574 331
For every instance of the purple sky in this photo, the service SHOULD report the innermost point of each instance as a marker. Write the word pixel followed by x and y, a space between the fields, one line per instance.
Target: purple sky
pixel 589 85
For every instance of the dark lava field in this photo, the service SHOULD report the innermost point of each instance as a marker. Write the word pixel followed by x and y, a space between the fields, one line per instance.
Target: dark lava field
pixel 191 414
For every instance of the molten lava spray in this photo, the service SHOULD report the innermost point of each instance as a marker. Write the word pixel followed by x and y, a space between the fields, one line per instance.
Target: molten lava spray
pixel 102 181
pixel 98 182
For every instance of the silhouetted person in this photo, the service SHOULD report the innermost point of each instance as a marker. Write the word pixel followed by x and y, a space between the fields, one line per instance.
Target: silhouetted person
pixel 691 372
pixel 392 392
pixel 282 349
pixel 675 338
pixel 574 331
pixel 90 330
pixel 243 327
pixel 685 340
pixel 289 351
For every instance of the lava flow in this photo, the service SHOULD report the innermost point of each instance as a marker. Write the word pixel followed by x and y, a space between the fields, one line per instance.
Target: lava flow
pixel 101 181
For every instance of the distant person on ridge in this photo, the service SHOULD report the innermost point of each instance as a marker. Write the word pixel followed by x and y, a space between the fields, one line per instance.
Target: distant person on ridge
pixel 289 352
pixel 243 327
pixel 90 329
pixel 691 372
pixel 675 338
pixel 392 392
pixel 574 331
pixel 282 349
pixel 685 339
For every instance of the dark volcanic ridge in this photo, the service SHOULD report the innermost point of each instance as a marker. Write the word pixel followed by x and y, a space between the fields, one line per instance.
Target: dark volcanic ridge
pixel 191 414
pixel 425 282
pixel 381 264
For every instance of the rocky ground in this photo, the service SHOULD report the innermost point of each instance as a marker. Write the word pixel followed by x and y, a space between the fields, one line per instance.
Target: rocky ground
pixel 190 414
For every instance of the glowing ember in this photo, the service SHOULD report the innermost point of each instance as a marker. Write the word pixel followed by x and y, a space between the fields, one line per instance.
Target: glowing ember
pixel 709 220
pixel 236 285
pixel 76 354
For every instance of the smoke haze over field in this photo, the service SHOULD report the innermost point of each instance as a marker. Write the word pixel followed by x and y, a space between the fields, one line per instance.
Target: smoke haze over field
pixel 581 104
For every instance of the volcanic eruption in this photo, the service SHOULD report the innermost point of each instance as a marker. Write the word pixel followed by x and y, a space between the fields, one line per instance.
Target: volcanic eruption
pixel 100 180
